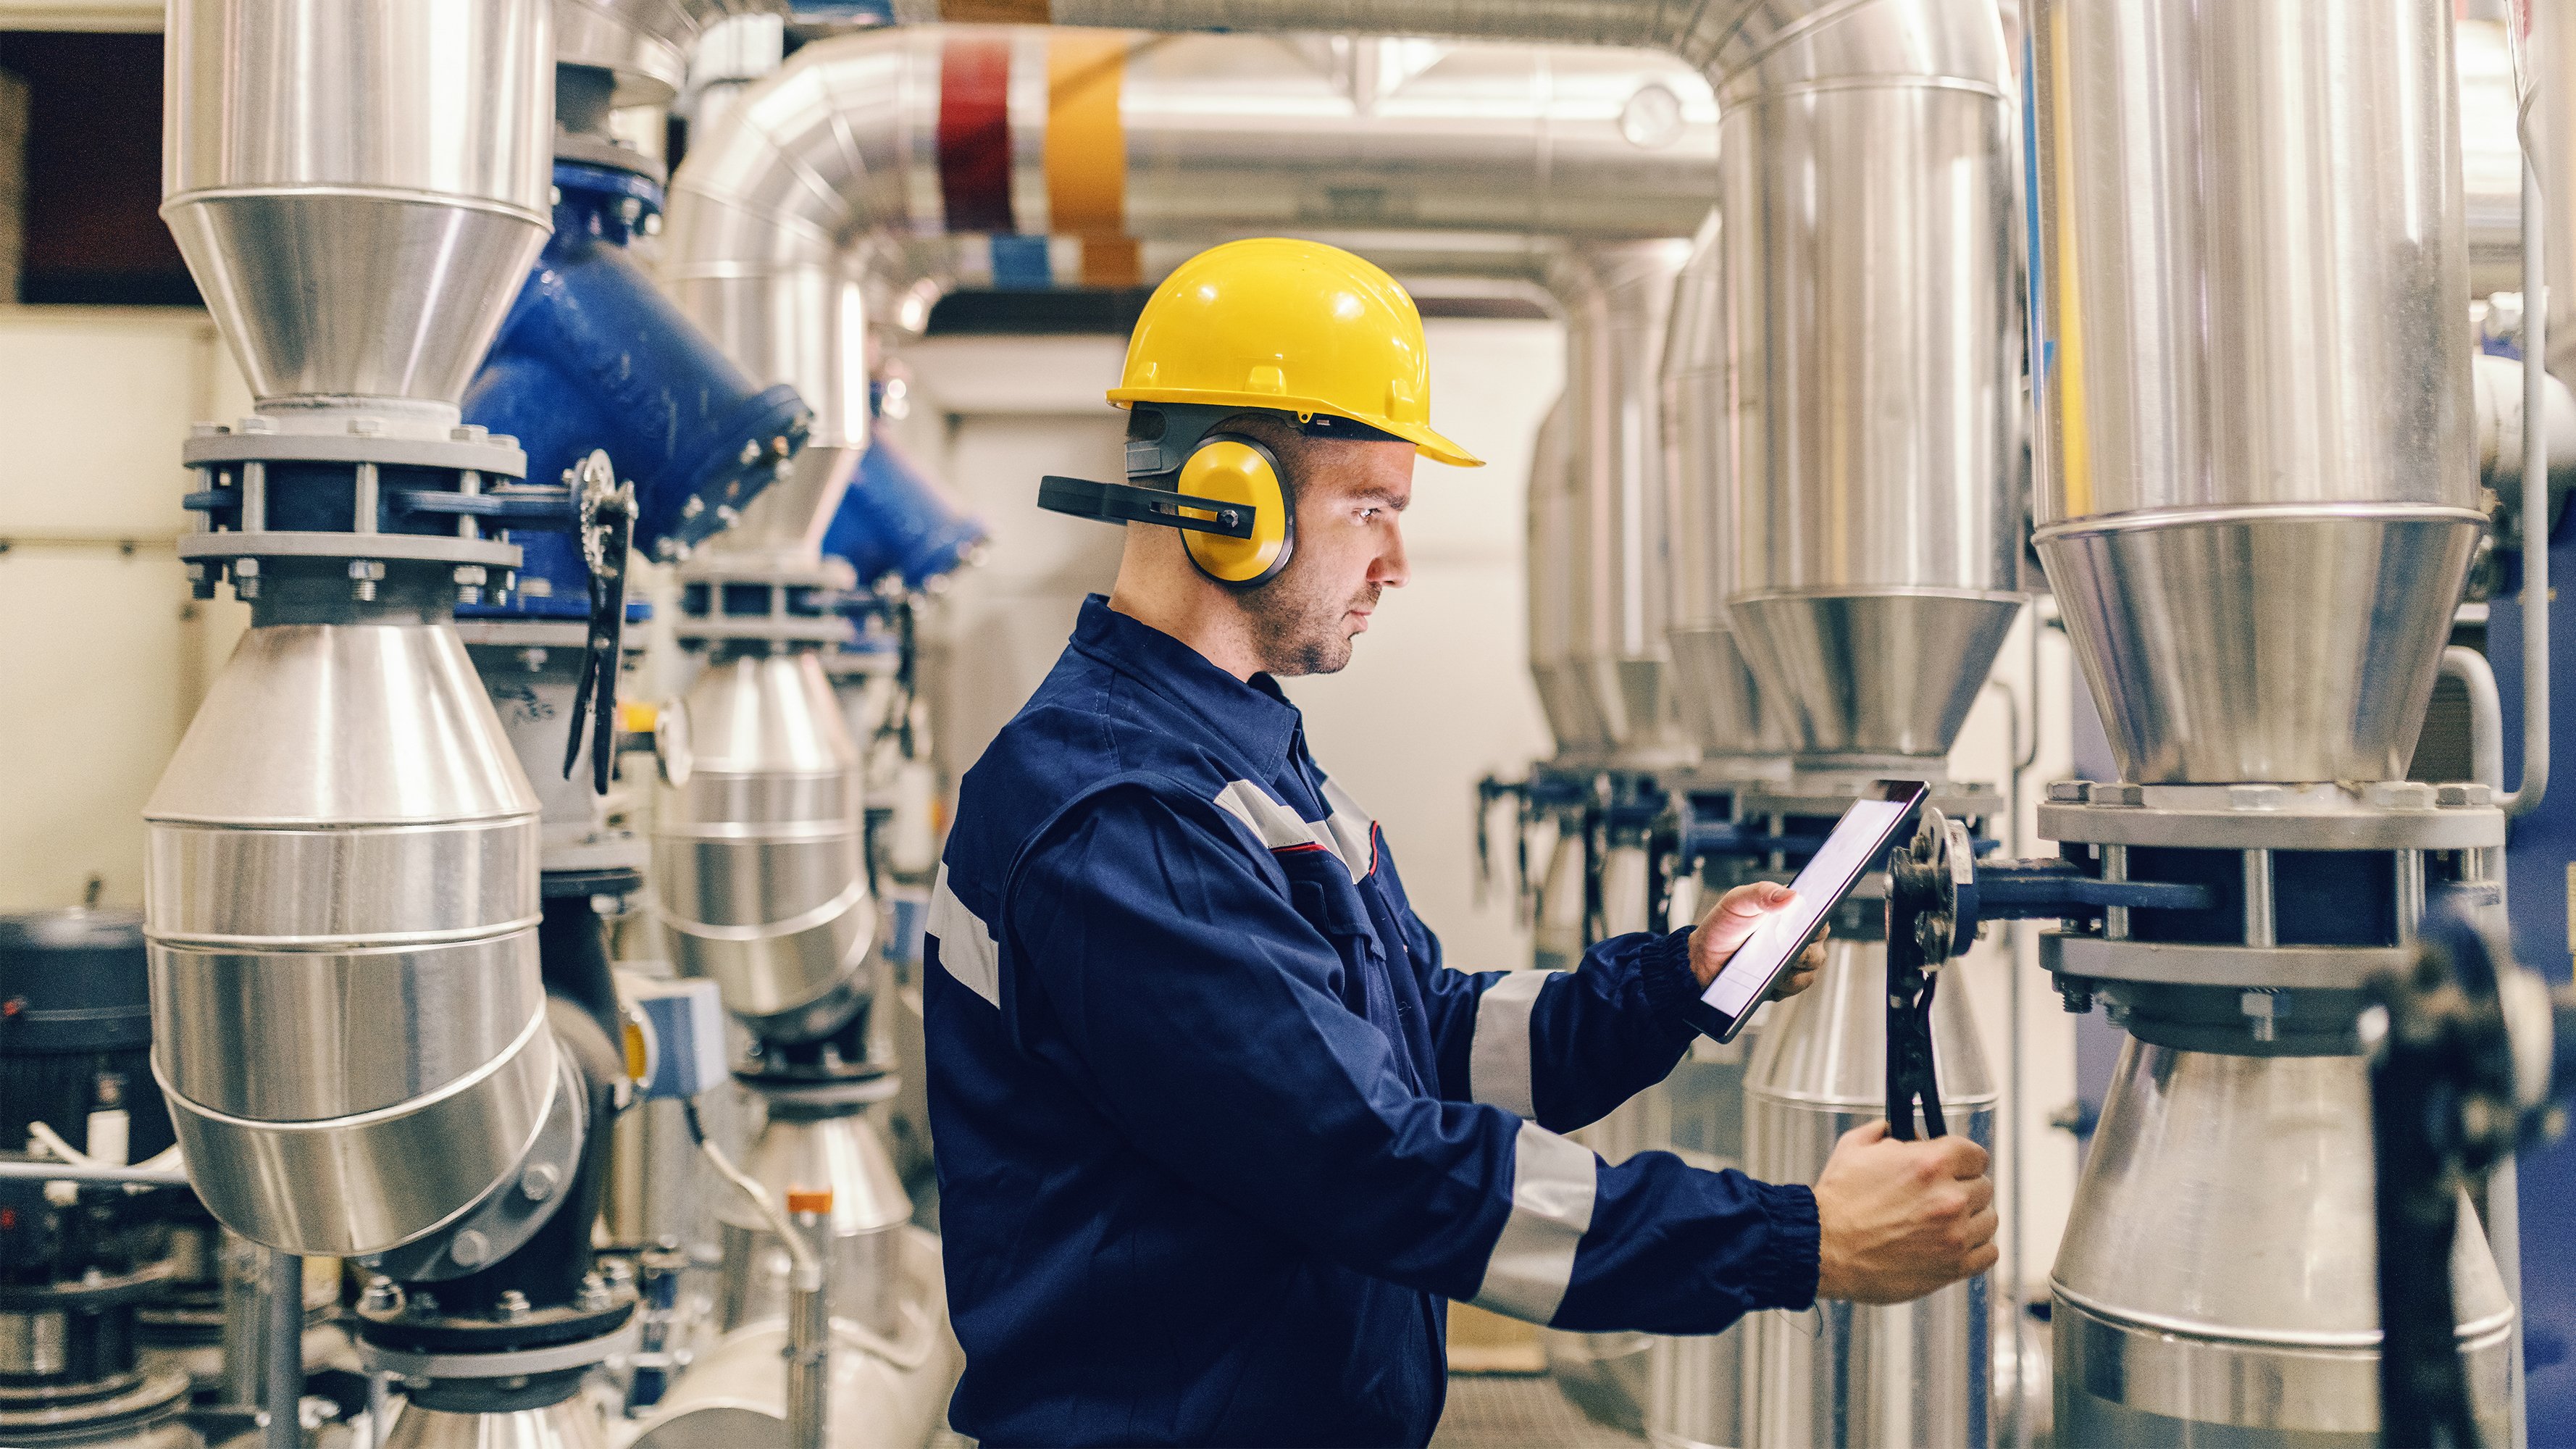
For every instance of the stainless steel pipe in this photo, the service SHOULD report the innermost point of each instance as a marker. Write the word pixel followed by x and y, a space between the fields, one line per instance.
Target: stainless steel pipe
pixel 341 860
pixel 358 189
pixel 757 872
pixel 2258 496
pixel 1723 709
pixel 822 183
pixel 1617 299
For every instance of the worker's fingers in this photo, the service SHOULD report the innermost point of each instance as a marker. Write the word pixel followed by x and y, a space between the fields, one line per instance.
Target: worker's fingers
pixel 1754 900
pixel 1981 1193
pixel 1963 1157
pixel 1978 1228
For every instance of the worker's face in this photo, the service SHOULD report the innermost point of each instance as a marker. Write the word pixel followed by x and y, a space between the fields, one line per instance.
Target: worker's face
pixel 1349 497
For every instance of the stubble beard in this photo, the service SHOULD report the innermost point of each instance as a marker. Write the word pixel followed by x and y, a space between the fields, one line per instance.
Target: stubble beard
pixel 1297 626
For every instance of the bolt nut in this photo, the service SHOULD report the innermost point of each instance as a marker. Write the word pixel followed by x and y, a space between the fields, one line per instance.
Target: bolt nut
pixel 539 1182
pixel 2117 795
pixel 471 1249
pixel 2453 797
pixel 383 1296
pixel 423 1303
pixel 204 430
pixel 630 210
pixel 2398 795
pixel 2256 797
pixel 2068 792
pixel 366 569
pixel 468 433
pixel 471 574
pixel 366 427
pixel 595 1296
pixel 2075 996
pixel 751 452
pixel 513 1304
pixel 257 424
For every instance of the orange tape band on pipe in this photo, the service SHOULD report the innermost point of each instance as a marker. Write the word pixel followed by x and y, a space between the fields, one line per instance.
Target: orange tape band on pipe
pixel 1086 153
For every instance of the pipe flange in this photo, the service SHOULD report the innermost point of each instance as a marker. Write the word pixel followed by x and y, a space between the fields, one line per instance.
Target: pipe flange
pixel 824 629
pixel 462 450
pixel 549 1358
pixel 414 547
pixel 509 1213
pixel 2233 968
pixel 150 1396
pixel 2381 815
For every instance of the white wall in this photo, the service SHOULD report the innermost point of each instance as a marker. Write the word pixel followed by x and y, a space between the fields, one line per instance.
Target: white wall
pixel 1437 694
pixel 103 654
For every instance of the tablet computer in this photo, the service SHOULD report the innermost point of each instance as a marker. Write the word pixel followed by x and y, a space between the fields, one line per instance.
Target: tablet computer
pixel 1837 866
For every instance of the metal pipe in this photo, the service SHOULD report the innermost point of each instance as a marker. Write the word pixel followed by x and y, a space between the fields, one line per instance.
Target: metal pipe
pixel 2526 798
pixel 2503 1204
pixel 2486 712
pixel 343 835
pixel 65 1172
pixel 814 207
pixel 1617 300
pixel 282 1396
pixel 809 1311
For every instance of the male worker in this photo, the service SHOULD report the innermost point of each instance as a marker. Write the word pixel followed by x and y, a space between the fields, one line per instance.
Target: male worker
pixel 1218 1130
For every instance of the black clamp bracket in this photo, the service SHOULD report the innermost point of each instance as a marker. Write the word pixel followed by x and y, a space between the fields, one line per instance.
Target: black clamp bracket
pixel 607 510
pixel 1938 895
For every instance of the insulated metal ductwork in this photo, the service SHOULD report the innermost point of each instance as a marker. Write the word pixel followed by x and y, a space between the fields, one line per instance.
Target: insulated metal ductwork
pixel 644 44
pixel 2260 499
pixel 2258 503
pixel 341 869
pixel 1723 709
pixel 1617 298
pixel 1886 372
pixel 819 178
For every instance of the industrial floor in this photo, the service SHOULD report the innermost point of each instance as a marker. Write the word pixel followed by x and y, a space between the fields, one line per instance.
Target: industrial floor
pixel 1518 1411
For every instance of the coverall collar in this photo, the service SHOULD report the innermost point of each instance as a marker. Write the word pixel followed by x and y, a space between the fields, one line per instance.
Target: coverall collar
pixel 1253 715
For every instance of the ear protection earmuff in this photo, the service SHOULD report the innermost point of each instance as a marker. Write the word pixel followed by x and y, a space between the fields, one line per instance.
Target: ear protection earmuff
pixel 1231 468
pixel 1228 495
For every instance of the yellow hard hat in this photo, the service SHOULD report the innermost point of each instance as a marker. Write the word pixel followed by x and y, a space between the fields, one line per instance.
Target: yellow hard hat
pixel 1293 326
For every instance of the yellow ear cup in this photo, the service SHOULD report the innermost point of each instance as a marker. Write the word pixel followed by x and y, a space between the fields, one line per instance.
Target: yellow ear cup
pixel 1238 470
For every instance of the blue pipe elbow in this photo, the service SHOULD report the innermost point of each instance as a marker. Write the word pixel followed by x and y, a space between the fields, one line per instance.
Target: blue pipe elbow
pixel 593 355
pixel 897 519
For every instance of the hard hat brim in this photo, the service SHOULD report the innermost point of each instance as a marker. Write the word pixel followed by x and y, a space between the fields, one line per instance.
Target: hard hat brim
pixel 1431 444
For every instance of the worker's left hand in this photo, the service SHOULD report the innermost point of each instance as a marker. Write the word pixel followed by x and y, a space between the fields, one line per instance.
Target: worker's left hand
pixel 1733 918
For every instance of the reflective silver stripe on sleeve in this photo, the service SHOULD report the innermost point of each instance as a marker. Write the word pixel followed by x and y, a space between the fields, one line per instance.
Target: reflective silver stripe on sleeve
pixel 1279 827
pixel 1553 1181
pixel 1498 1057
pixel 967 951
pixel 1349 831
pixel 1347 834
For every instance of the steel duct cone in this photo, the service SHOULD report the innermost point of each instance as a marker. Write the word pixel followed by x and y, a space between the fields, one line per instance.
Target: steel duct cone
pixel 341 898
pixel 756 862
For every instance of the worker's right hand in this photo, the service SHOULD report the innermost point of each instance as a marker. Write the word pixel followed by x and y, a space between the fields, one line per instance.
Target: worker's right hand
pixel 1899 1219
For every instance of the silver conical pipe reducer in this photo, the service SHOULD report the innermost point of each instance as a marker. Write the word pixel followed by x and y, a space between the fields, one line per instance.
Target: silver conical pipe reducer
pixel 758 872
pixel 341 871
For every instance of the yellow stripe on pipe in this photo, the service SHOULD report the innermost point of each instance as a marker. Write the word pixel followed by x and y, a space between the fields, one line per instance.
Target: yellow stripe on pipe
pixel 994 12
pixel 1086 153
pixel 2065 263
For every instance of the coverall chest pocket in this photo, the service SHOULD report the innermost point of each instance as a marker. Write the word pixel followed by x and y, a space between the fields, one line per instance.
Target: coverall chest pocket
pixel 1321 891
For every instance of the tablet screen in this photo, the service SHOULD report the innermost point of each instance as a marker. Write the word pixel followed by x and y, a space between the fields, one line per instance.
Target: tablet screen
pixel 1836 867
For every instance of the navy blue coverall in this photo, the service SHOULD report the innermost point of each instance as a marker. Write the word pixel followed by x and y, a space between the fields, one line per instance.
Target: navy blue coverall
pixel 1218 1132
